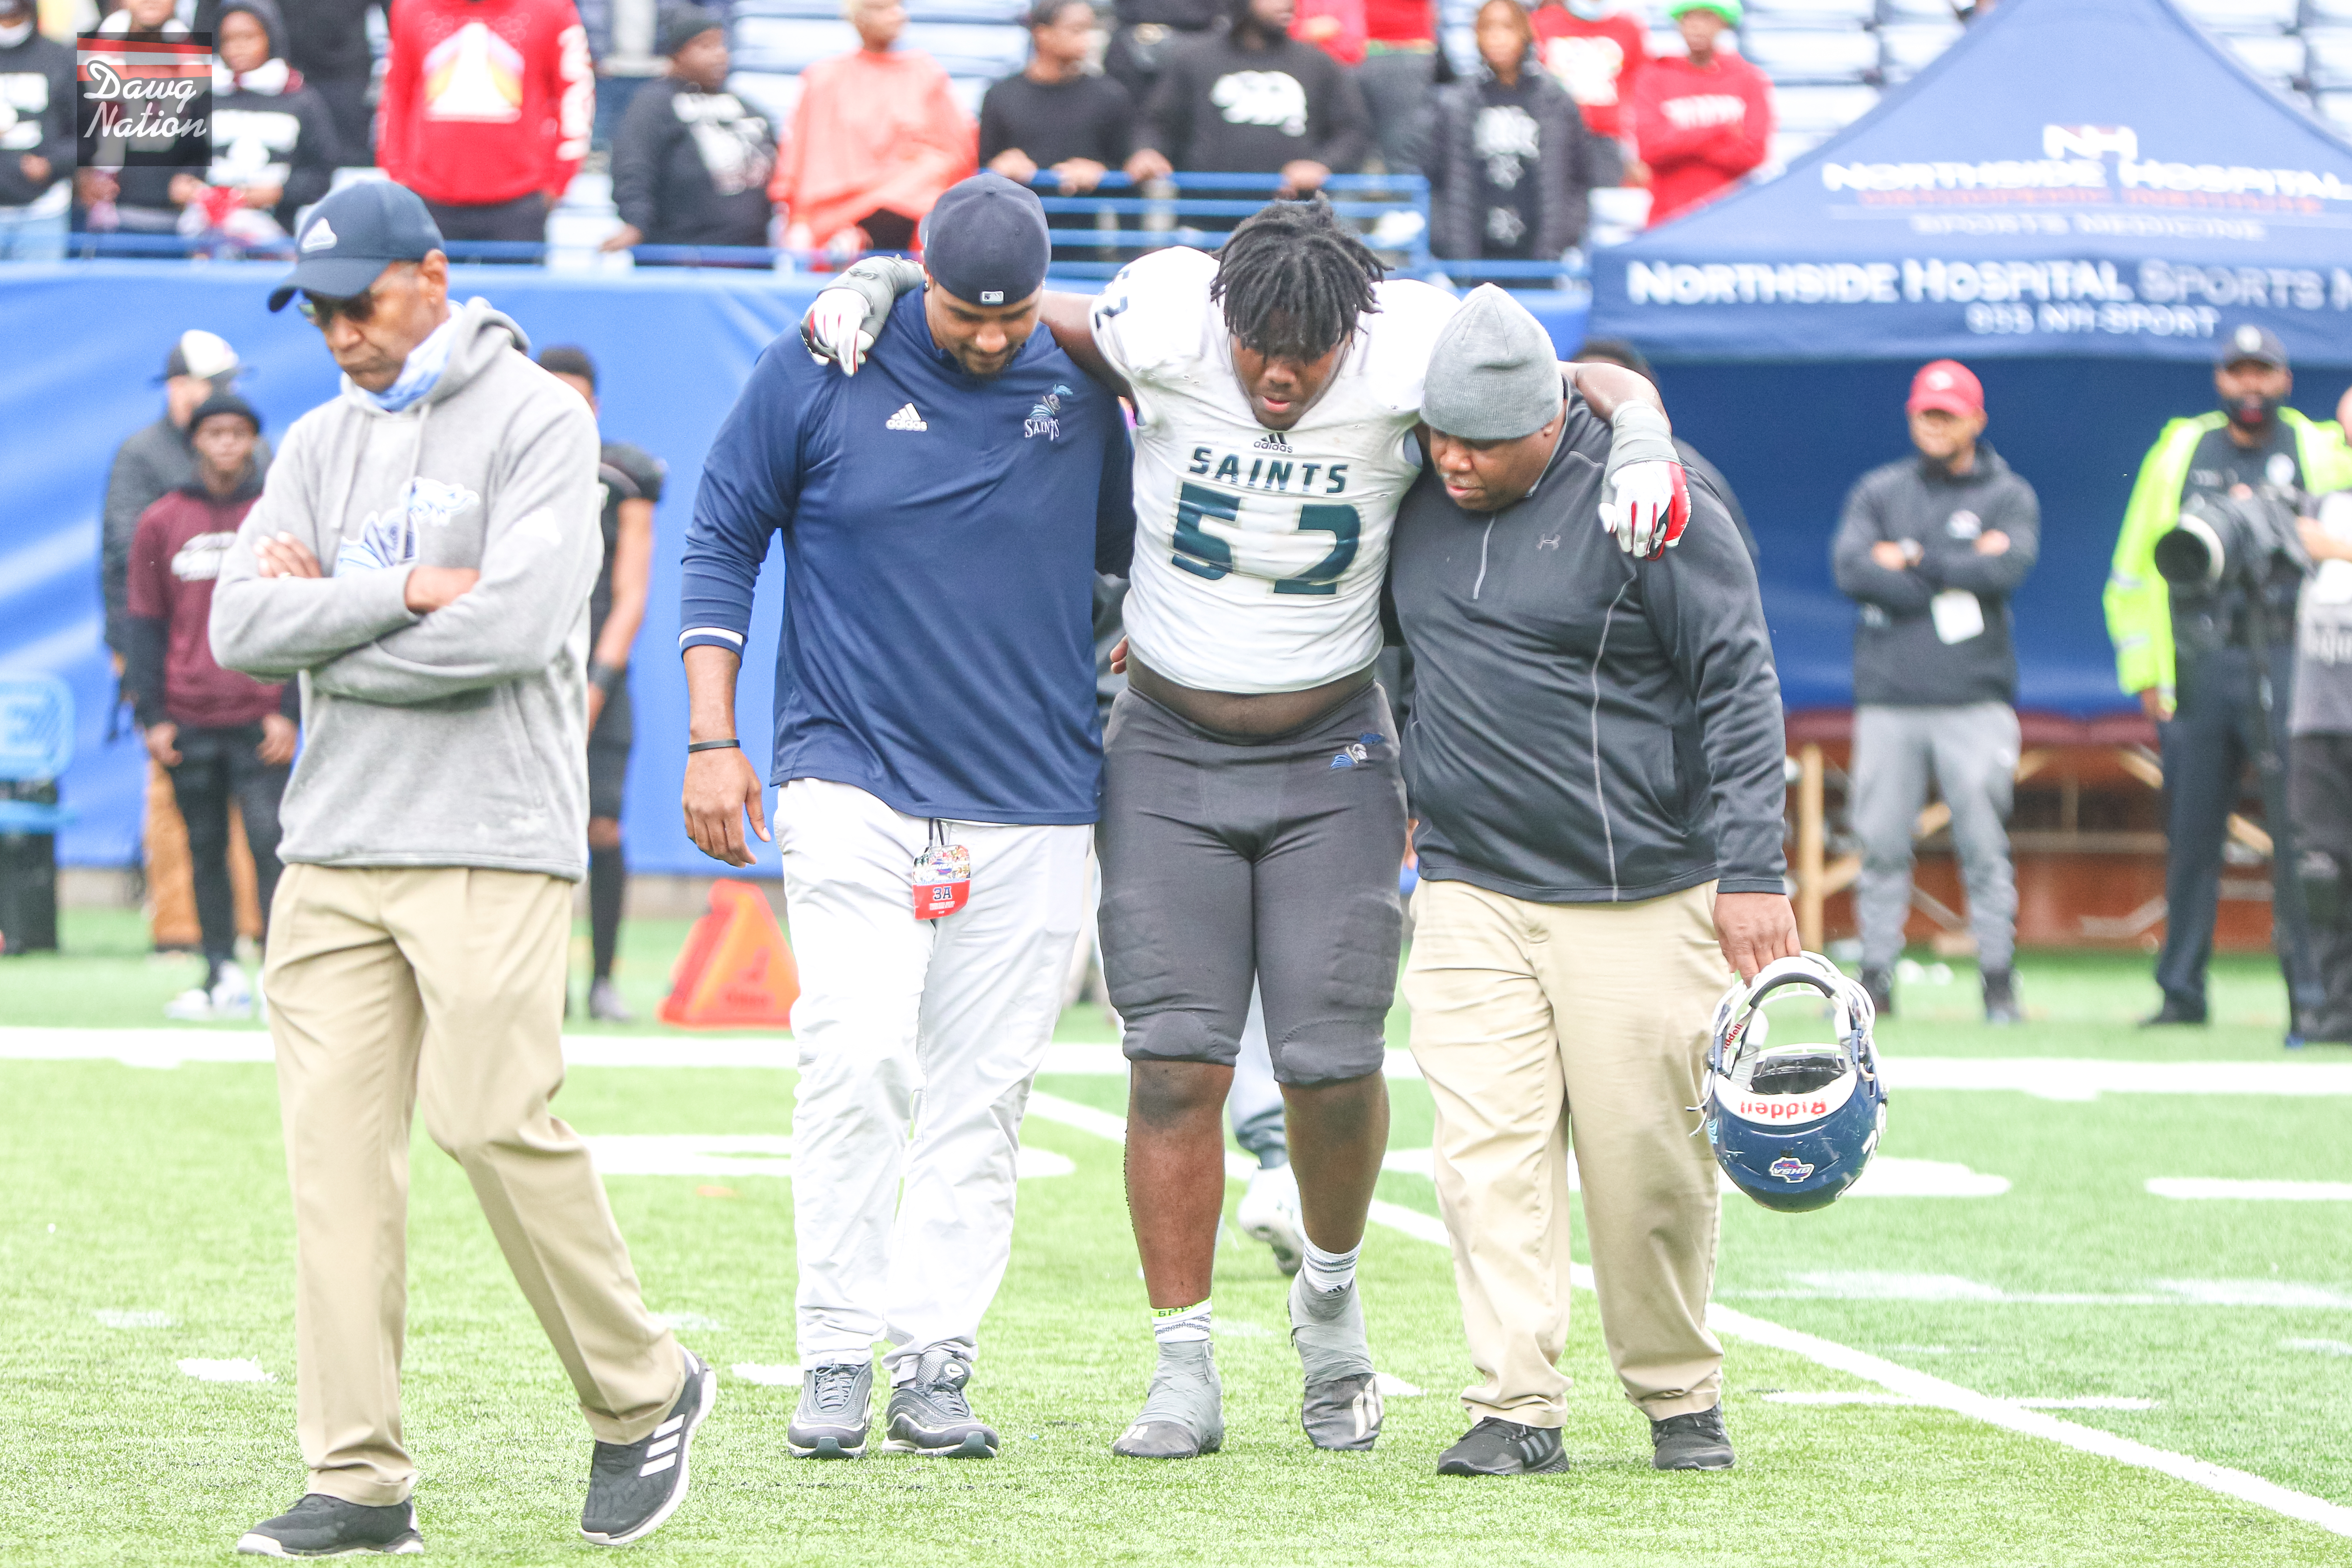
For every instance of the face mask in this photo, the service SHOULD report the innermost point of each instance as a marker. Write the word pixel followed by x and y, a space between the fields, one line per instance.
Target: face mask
pixel 2250 413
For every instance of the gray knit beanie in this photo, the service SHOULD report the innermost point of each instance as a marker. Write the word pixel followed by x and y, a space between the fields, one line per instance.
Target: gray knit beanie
pixel 1493 374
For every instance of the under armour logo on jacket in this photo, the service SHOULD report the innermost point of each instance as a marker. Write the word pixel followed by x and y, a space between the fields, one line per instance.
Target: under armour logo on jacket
pixel 906 419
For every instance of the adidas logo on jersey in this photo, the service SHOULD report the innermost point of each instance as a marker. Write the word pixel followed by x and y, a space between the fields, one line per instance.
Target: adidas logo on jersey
pixel 906 419
pixel 1272 443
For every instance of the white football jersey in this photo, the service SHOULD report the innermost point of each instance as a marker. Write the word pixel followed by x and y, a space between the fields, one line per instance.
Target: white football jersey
pixel 1259 554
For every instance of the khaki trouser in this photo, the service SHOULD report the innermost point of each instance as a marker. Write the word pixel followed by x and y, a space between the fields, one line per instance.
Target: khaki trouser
pixel 388 984
pixel 1534 1021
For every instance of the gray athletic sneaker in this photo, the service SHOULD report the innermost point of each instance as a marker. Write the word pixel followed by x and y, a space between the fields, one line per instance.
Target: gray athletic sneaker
pixel 1341 1406
pixel 929 1415
pixel 831 1419
pixel 1184 1416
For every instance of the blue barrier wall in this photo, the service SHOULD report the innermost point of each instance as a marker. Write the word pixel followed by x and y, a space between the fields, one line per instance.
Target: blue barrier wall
pixel 84 343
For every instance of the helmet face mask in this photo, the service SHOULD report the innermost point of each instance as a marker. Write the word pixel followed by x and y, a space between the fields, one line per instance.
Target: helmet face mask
pixel 1793 1125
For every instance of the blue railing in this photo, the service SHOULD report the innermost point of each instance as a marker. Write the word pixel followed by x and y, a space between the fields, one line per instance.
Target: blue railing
pixel 1116 222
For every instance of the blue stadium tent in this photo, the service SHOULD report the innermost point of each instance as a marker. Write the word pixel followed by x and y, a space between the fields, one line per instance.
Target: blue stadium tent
pixel 2079 199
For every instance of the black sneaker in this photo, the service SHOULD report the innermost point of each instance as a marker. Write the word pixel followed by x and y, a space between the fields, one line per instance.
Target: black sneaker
pixel 831 1420
pixel 929 1415
pixel 1880 985
pixel 2173 1012
pixel 1696 1441
pixel 634 1486
pixel 2001 998
pixel 323 1526
pixel 1499 1447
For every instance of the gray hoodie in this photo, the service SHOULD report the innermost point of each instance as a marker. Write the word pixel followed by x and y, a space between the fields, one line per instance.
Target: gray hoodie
pixel 455 737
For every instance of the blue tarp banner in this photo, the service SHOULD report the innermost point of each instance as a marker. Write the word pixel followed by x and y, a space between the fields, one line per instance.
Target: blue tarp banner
pixel 2091 178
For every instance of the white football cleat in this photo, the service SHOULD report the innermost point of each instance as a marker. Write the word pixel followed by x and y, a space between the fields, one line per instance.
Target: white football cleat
pixel 1269 1213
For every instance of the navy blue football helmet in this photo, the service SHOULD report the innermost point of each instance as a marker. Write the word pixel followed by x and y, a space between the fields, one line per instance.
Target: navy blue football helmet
pixel 1793 1125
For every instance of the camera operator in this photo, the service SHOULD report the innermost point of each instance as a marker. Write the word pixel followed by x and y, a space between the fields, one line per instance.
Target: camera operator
pixel 2184 648
pixel 2319 761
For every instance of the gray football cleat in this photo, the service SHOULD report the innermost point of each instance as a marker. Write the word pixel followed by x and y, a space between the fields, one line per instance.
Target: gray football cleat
pixel 929 1415
pixel 1695 1440
pixel 323 1526
pixel 1184 1416
pixel 1341 1405
pixel 831 1420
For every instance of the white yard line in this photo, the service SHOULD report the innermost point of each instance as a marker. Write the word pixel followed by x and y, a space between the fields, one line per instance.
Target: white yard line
pixel 1899 1380
pixel 2045 1078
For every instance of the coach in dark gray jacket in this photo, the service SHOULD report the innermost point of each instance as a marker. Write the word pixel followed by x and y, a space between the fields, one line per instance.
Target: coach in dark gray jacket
pixel 1931 548
pixel 1595 759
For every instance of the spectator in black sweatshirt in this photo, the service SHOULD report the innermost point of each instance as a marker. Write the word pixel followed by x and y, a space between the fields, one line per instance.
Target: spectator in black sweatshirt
pixel 1511 160
pixel 691 161
pixel 326 41
pixel 1056 115
pixel 36 137
pixel 1147 31
pixel 1255 101
pixel 274 146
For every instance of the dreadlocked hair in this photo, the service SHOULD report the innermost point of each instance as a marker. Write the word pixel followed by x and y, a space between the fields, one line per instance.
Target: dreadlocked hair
pixel 1293 279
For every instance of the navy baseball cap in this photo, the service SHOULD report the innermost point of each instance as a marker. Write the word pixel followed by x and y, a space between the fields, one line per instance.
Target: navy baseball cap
pixel 985 241
pixel 2250 341
pixel 353 235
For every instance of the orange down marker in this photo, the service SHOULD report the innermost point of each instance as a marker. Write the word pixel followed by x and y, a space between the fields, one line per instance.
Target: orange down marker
pixel 736 971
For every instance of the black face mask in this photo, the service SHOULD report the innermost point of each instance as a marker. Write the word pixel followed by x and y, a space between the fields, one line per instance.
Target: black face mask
pixel 2250 413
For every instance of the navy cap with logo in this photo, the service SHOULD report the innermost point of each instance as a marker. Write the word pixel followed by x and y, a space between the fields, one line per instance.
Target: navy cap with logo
pixel 353 235
pixel 2250 341
pixel 985 241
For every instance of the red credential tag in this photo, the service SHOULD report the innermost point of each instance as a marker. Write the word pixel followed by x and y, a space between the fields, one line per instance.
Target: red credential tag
pixel 942 880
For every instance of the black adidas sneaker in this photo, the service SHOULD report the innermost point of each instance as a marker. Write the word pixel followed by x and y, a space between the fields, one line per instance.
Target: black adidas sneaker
pixel 323 1526
pixel 634 1486
pixel 1499 1447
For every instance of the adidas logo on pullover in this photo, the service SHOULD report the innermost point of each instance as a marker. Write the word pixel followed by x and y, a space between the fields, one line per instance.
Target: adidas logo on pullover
pixel 906 419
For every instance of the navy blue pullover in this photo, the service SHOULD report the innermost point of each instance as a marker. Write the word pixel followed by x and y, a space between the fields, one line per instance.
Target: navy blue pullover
pixel 942 533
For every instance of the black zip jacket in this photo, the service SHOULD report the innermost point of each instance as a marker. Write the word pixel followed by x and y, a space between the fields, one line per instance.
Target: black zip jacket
pixel 327 40
pixel 1900 660
pixel 1223 108
pixel 1565 152
pixel 691 167
pixel 38 71
pixel 1586 728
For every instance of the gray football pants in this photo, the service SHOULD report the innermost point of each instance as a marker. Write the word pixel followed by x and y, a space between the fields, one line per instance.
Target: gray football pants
pixel 1971 751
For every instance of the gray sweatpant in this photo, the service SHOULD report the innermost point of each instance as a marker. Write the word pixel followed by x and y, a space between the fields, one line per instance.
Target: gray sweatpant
pixel 1971 750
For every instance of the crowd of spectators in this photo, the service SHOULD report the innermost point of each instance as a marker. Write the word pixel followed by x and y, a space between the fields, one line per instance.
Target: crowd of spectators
pixel 488 108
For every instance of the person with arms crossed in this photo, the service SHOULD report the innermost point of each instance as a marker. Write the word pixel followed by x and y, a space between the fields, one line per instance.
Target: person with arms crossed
pixel 1701 119
pixel 1931 548
pixel 222 736
pixel 629 479
pixel 1596 756
pixel 422 556
pixel 936 771
pixel 1252 811
pixel 2180 649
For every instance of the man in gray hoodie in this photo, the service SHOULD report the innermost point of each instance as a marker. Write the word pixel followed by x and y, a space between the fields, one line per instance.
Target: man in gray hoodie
pixel 421 559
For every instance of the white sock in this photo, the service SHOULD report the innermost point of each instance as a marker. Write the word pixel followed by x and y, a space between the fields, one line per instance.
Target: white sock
pixel 1181 1325
pixel 1329 1272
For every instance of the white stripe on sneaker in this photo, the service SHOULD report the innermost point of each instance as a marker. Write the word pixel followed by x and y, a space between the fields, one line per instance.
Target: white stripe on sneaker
pixel 664 1447
pixel 656 1467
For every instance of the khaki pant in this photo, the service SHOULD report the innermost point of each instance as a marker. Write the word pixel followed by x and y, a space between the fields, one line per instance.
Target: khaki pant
pixel 446 984
pixel 1534 1022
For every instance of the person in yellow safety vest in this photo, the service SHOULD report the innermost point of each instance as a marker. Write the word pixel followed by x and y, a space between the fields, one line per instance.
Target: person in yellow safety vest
pixel 2175 648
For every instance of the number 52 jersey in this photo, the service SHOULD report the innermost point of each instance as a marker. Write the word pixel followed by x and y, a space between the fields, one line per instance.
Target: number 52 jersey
pixel 1259 554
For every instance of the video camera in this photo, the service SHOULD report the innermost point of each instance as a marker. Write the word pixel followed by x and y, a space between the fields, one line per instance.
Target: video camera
pixel 2225 539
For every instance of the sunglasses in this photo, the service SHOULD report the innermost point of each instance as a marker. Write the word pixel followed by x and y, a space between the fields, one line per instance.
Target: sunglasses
pixel 321 310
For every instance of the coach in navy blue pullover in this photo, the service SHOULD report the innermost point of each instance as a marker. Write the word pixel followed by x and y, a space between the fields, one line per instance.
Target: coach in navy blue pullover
pixel 941 532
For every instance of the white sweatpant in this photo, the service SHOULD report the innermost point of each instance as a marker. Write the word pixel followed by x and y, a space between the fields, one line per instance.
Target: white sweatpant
pixel 918 1041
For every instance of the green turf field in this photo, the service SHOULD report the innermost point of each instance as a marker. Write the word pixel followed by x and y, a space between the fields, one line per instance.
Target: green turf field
pixel 147 1222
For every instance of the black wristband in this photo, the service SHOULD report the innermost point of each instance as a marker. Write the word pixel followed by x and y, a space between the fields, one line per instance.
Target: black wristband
pixel 728 745
pixel 605 676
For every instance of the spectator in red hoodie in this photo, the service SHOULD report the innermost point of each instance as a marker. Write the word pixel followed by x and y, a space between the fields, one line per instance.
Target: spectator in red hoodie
pixel 222 736
pixel 486 109
pixel 1596 49
pixel 1704 121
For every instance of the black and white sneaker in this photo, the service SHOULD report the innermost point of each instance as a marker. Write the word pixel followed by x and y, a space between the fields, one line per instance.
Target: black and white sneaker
pixel 929 1415
pixel 831 1419
pixel 1499 1447
pixel 633 1488
pixel 323 1526
pixel 1693 1441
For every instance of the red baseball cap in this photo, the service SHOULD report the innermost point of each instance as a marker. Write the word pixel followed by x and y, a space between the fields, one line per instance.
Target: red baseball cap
pixel 1947 385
